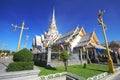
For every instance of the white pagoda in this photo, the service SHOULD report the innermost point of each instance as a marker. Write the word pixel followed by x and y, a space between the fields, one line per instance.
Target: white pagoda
pixel 49 37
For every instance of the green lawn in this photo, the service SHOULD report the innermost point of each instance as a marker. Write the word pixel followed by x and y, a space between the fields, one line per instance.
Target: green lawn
pixel 90 71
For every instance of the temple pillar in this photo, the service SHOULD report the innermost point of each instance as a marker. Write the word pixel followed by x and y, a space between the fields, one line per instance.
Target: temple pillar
pixel 87 55
pixel 80 56
pixel 95 55
pixel 116 57
pixel 49 54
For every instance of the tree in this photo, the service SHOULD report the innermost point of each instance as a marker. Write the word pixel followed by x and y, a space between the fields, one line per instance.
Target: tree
pixel 55 47
pixel 114 45
pixel 64 56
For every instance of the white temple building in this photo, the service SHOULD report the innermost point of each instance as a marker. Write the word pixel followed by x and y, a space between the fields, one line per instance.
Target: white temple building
pixel 77 38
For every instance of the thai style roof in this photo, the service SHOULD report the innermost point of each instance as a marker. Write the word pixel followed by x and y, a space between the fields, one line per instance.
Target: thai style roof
pixel 68 35
pixel 82 32
pixel 84 40
pixel 90 40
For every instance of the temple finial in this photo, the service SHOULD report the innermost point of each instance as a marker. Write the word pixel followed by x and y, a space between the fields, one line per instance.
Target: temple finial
pixel 53 17
pixel 93 29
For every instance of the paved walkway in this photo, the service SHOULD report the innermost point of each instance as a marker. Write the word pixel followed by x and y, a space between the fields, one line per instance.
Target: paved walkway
pixel 115 76
pixel 18 75
pixel 4 63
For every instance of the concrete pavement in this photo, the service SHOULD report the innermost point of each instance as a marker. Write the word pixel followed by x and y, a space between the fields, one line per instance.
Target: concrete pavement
pixel 4 63
pixel 17 75
pixel 115 76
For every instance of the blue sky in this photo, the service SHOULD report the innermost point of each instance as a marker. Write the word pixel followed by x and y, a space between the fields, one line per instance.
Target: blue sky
pixel 69 13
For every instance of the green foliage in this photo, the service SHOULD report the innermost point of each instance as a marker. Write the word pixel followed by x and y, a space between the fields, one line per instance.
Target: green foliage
pixel 23 60
pixel 114 45
pixel 5 51
pixel 19 66
pixel 23 55
pixel 55 47
pixel 64 55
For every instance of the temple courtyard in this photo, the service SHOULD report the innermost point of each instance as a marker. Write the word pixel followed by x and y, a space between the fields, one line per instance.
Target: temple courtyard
pixel 91 70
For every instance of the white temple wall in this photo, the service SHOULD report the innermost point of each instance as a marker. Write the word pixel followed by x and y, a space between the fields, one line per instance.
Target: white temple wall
pixel 38 40
pixel 75 42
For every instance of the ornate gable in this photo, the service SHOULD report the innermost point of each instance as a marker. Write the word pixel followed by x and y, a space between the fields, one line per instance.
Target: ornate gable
pixel 93 40
pixel 82 32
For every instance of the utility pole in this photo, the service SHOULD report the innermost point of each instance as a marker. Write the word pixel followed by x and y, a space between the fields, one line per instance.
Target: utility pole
pixel 22 28
pixel 110 62
pixel 26 41
pixel 3 46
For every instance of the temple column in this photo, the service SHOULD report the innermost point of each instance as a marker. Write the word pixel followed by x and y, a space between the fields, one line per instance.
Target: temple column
pixel 95 55
pixel 80 56
pixel 116 57
pixel 49 54
pixel 87 55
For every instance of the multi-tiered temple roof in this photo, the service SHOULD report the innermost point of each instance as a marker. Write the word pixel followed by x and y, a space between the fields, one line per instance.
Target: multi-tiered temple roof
pixel 52 34
pixel 75 38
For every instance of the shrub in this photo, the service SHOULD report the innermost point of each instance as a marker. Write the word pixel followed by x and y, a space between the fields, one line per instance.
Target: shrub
pixel 23 60
pixel 64 57
pixel 23 55
pixel 19 66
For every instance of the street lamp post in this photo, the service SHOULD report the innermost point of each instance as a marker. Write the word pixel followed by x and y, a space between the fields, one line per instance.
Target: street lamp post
pixel 22 28
pixel 110 62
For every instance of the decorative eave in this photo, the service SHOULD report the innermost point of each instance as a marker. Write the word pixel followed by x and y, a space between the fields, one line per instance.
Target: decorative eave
pixel 93 41
pixel 94 38
pixel 82 32
pixel 73 34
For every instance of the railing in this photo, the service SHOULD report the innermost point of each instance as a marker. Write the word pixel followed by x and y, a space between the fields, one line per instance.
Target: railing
pixel 117 69
pixel 59 75
pixel 98 77
pixel 51 76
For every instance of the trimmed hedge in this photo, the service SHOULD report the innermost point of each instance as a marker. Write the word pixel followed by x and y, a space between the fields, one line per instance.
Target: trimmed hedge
pixel 19 66
pixel 23 55
pixel 23 60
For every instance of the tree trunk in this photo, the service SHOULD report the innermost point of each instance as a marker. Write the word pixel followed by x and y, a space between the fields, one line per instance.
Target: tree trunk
pixel 66 64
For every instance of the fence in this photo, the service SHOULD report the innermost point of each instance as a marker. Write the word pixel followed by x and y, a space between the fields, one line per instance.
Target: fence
pixel 52 76
pixel 60 76
pixel 98 77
